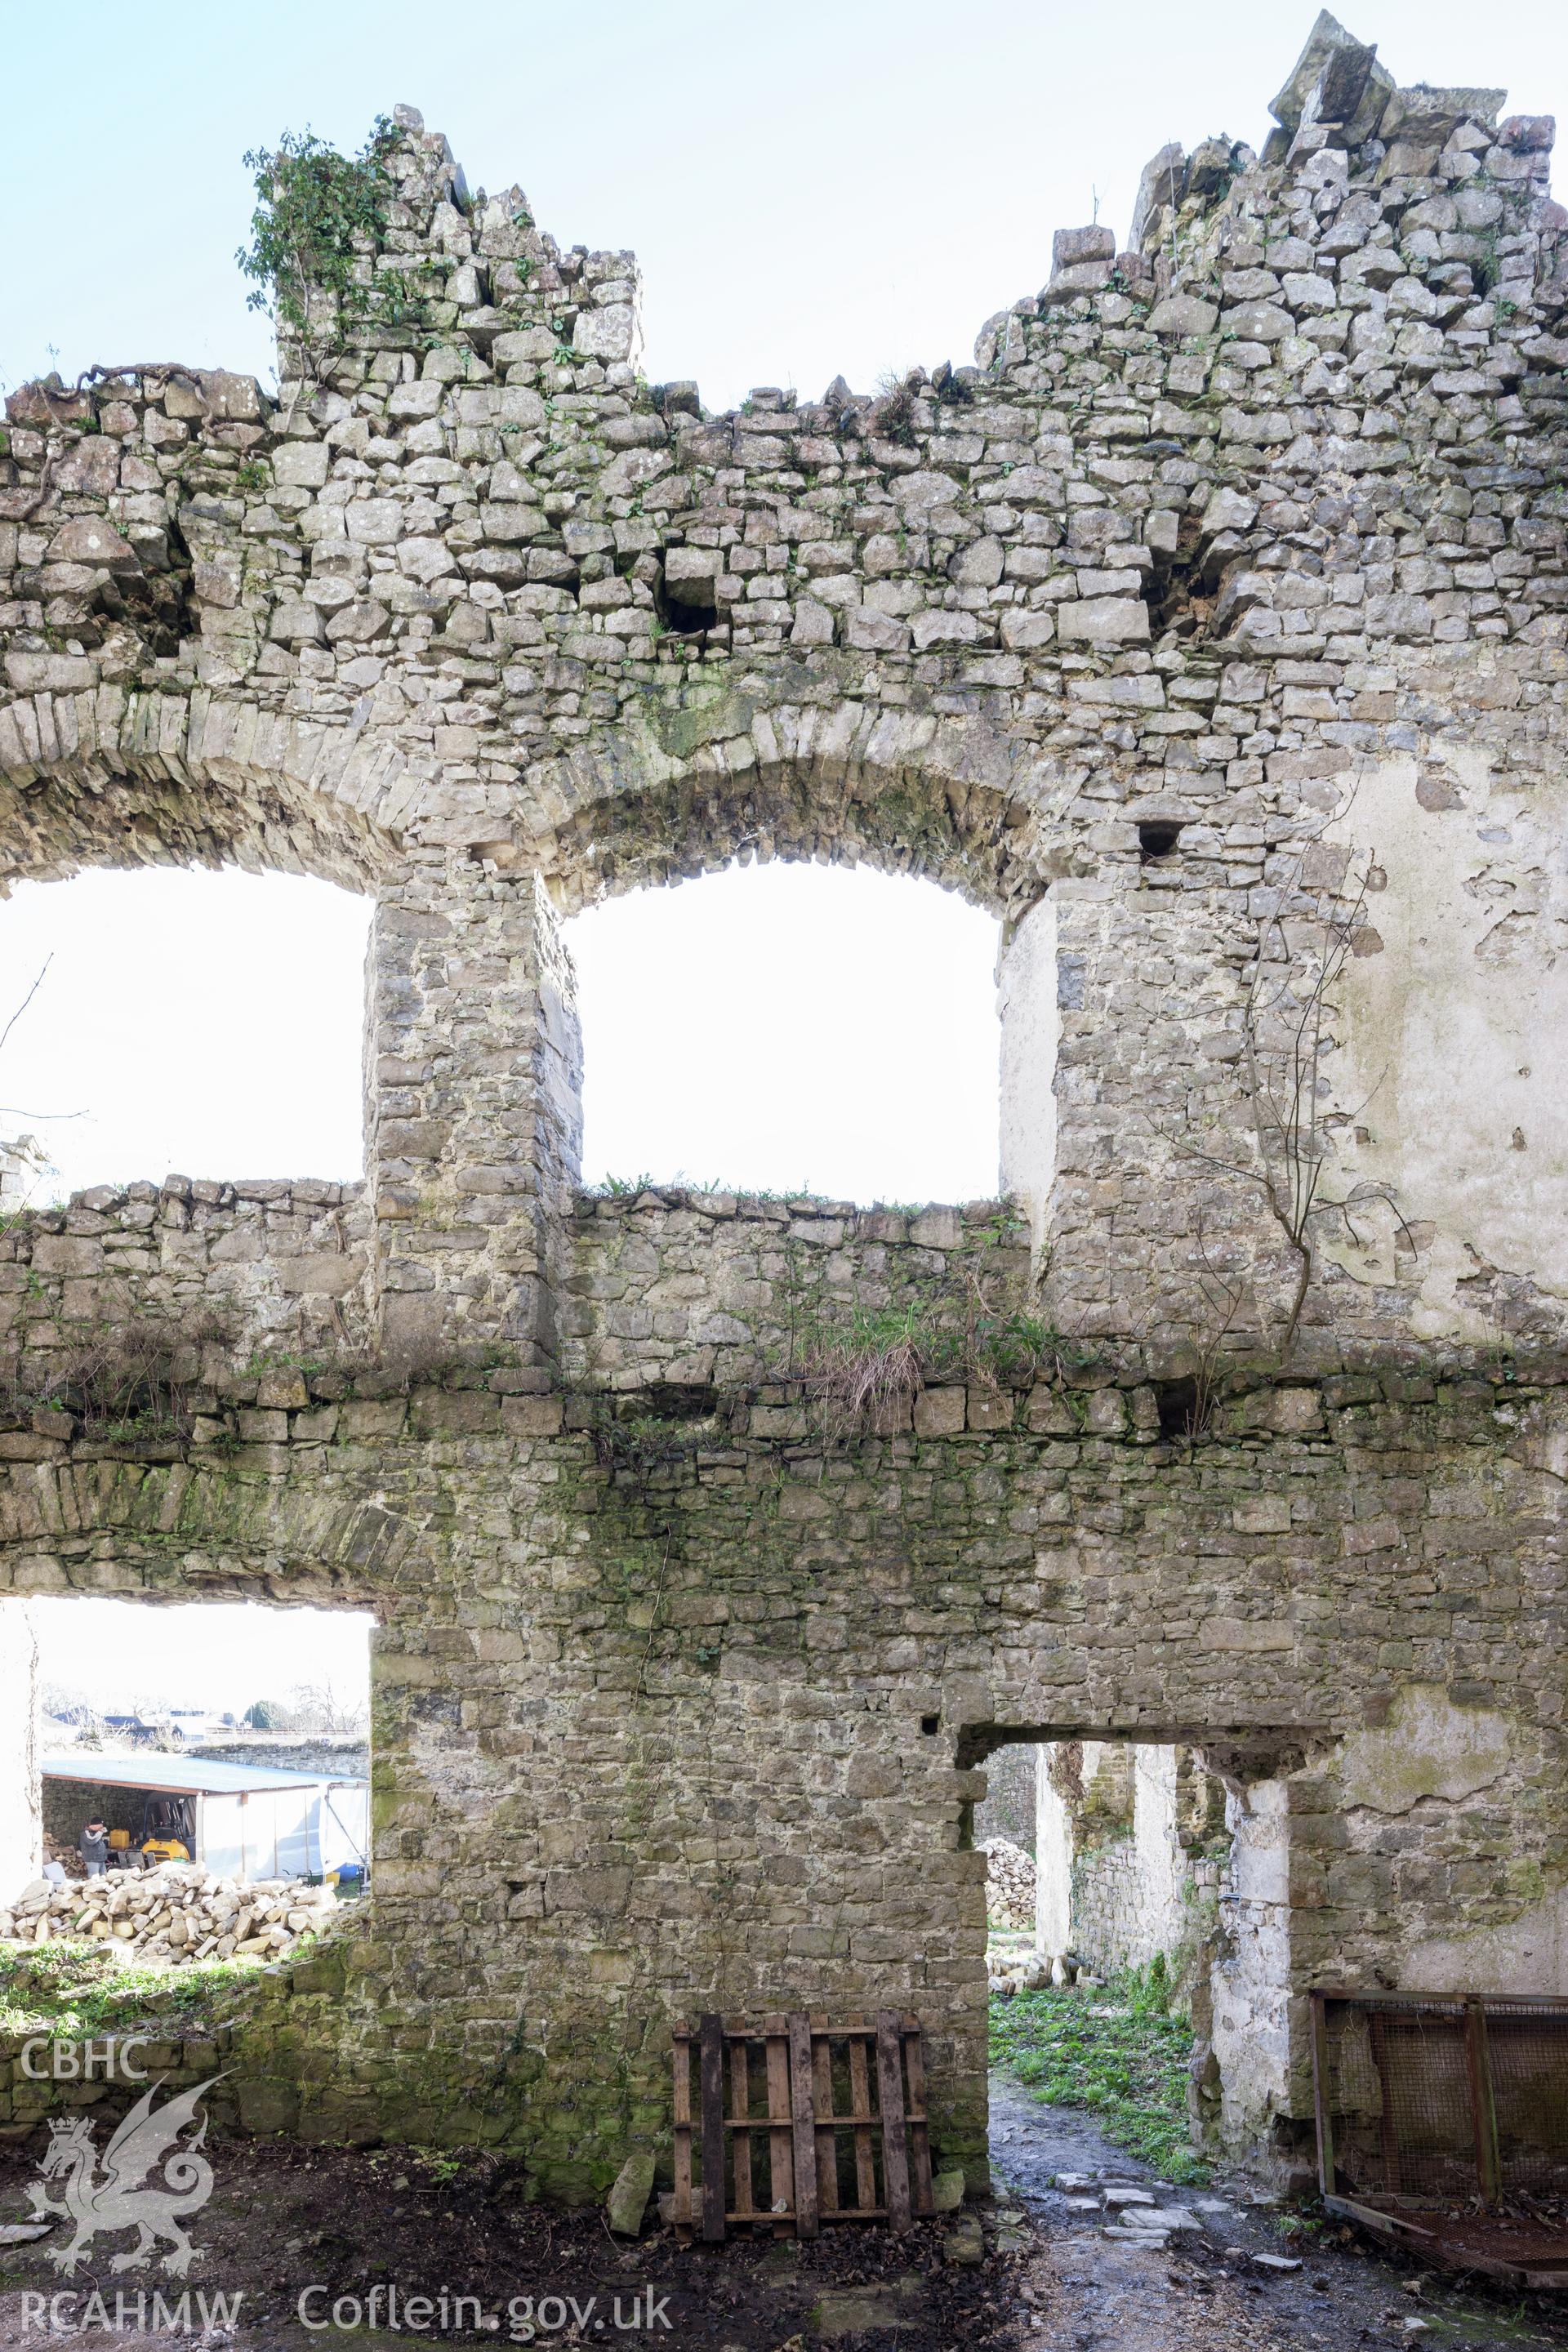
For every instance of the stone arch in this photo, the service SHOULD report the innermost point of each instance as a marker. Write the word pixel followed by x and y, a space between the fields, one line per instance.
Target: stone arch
pixel 941 798
pixel 945 800
pixel 116 778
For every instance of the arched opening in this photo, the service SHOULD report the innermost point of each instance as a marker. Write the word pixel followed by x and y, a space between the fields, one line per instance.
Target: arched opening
pixel 788 1028
pixel 208 1023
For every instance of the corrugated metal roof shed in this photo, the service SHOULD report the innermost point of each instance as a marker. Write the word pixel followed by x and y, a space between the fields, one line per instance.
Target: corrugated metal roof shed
pixel 181 1776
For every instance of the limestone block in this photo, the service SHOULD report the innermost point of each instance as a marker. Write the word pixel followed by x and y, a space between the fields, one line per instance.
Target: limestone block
pixel 1183 313
pixel 1103 620
pixel 874 632
pixel 606 334
pixel 301 464
pixel 627 2199
pixel 87 539
pixel 938 1412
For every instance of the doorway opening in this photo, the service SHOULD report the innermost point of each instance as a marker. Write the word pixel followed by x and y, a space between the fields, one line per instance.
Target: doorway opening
pixel 1109 1885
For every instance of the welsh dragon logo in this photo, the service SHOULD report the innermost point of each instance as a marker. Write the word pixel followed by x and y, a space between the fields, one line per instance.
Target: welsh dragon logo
pixel 124 2197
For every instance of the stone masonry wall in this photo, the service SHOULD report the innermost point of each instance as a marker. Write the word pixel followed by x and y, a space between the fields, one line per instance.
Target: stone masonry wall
pixel 712 1726
pixel 1137 1838
pixel 1211 630
pixel 1252 531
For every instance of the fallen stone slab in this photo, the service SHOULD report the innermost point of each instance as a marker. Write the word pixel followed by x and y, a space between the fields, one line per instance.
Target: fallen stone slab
pixel 965 2242
pixel 1161 2217
pixel 627 2199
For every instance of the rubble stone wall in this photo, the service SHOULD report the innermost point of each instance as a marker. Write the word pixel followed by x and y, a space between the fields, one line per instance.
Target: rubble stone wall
pixel 1137 1843
pixel 1210 631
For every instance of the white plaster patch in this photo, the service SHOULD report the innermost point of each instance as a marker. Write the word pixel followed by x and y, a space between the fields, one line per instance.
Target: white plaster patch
pixel 1530 1954
pixel 1427 1748
pixel 1449 1067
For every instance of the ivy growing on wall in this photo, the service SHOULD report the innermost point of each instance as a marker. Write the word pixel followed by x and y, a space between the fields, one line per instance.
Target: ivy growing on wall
pixel 319 217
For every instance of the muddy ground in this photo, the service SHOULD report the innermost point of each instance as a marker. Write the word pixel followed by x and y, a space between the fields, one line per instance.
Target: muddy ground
pixel 332 2225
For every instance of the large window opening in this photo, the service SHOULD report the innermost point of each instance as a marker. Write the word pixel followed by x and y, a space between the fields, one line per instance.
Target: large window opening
pixel 203 1024
pixel 182 1784
pixel 791 1028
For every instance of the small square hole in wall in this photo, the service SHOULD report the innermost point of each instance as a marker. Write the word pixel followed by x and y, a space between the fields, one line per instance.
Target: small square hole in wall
pixel 691 620
pixel 1177 1403
pixel 1157 838
pixel 930 1724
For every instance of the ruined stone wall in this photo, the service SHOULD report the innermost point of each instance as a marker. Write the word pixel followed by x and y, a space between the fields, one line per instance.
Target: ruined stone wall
pixel 1136 1847
pixel 221 1272
pixel 1252 532
pixel 713 1726
pixel 693 1289
pixel 1210 632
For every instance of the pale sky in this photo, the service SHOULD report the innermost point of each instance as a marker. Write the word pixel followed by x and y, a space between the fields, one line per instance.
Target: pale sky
pixel 851 185
pixel 222 1655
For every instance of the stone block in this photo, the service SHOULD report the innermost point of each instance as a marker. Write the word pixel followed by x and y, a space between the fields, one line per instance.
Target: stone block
pixel 875 631
pixel 606 334
pixel 89 539
pixel 939 1413
pixel 1103 620
pixel 986 1408
pixel 1074 245
pixel 532 1416
pixel 301 464
pixel 320 1274
pixel 627 2199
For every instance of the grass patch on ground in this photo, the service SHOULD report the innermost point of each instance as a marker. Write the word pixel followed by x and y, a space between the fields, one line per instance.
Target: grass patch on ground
pixel 75 1990
pixel 1113 2049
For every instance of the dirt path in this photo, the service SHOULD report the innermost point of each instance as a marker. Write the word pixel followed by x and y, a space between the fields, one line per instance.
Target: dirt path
pixel 1201 2286
pixel 1041 2268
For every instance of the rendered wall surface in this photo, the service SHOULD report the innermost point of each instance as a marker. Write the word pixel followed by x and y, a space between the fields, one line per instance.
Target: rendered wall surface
pixel 683 1692
pixel 21 1818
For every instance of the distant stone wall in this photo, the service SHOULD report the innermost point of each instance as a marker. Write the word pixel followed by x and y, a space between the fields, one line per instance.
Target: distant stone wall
pixel 1133 1850
pixel 1008 1808
pixel 336 1757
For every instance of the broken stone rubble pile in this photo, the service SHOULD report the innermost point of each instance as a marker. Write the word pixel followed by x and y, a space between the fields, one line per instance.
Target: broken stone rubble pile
pixel 1009 1883
pixel 178 1914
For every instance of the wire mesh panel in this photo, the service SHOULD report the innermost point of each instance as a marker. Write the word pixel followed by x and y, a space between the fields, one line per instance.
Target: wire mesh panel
pixel 1528 2043
pixel 1445 2119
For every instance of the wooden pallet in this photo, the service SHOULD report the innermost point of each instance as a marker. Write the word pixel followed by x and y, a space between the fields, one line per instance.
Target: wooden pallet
pixel 773 2148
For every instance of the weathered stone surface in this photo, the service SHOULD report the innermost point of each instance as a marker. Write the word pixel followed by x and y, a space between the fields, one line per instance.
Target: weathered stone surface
pixel 1183 314
pixel 632 2186
pixel 1200 650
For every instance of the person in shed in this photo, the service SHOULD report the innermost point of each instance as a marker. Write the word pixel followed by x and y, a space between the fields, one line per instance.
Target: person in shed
pixel 93 1847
